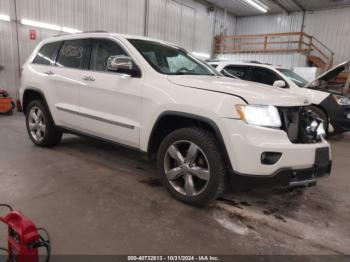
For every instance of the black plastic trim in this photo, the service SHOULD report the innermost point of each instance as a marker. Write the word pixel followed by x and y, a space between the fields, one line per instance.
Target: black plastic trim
pixel 95 117
pixel 270 158
pixel 284 176
pixel 34 89
pixel 39 92
pixel 86 135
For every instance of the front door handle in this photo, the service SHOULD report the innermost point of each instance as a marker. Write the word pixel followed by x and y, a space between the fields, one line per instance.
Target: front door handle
pixel 49 73
pixel 88 78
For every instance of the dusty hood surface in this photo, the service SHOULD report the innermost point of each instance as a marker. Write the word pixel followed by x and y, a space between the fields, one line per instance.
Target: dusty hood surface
pixel 253 93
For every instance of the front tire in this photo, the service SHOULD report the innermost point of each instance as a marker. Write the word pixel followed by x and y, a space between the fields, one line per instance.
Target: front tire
pixel 191 166
pixel 40 126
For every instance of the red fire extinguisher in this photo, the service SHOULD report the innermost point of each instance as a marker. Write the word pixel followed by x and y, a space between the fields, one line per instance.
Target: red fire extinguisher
pixel 23 238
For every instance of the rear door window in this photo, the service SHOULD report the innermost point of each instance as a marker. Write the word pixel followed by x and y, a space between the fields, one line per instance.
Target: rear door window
pixel 241 72
pixel 264 76
pixel 47 54
pixel 75 54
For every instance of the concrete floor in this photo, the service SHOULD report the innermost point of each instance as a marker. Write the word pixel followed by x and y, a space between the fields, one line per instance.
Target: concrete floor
pixel 95 198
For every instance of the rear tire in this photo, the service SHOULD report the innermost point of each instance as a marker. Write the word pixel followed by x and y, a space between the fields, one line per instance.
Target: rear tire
pixel 40 126
pixel 191 166
pixel 319 112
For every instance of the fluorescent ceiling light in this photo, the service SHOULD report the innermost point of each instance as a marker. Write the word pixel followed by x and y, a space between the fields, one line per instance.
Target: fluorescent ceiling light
pixel 40 25
pixel 201 55
pixel 49 26
pixel 256 5
pixel 5 18
pixel 70 30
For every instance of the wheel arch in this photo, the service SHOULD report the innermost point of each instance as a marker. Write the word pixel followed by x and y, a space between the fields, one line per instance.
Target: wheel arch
pixel 323 110
pixel 169 121
pixel 30 94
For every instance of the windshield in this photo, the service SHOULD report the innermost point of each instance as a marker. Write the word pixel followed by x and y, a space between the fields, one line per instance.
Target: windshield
pixel 171 60
pixel 297 79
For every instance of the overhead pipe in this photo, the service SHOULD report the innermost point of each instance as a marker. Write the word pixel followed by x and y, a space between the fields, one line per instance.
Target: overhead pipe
pixel 146 21
pixel 18 50
pixel 225 18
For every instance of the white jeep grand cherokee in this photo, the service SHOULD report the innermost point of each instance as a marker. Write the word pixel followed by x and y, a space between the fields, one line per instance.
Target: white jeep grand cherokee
pixel 205 130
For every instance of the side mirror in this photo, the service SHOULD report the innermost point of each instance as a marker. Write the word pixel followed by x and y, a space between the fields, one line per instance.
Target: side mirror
pixel 280 84
pixel 123 64
pixel 227 74
pixel 315 83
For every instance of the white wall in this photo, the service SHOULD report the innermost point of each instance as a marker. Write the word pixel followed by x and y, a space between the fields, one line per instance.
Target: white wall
pixel 8 52
pixel 331 27
pixel 269 24
pixel 184 22
pixel 222 26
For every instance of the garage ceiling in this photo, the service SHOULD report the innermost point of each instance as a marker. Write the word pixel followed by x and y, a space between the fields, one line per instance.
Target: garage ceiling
pixel 242 8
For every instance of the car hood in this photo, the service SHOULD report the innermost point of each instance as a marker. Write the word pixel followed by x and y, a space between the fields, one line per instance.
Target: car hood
pixel 332 73
pixel 253 93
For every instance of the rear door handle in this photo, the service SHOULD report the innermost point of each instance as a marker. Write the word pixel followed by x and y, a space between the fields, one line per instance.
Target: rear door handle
pixel 88 78
pixel 49 73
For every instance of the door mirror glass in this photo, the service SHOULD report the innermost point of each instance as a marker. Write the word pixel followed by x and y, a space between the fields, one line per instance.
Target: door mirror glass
pixel 119 63
pixel 280 84
pixel 123 64
pixel 227 74
pixel 315 83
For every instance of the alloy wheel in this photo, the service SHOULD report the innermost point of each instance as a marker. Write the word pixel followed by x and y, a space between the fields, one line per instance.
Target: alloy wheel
pixel 36 124
pixel 186 168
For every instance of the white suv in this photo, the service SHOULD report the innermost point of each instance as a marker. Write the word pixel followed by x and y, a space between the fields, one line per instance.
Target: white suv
pixel 205 130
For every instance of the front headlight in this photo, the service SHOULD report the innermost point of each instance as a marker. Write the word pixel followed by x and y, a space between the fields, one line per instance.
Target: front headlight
pixel 259 115
pixel 342 100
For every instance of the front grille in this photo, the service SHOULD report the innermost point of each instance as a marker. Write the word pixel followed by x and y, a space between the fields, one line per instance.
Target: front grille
pixel 296 122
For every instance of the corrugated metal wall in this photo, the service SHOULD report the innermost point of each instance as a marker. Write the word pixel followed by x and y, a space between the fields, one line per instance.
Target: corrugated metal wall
pixel 221 24
pixel 185 22
pixel 122 16
pixel 8 51
pixel 269 24
pixel 331 27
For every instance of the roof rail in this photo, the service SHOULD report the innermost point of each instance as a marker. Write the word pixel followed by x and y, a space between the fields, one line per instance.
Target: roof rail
pixel 84 32
pixel 94 31
pixel 213 60
pixel 252 62
pixel 61 34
